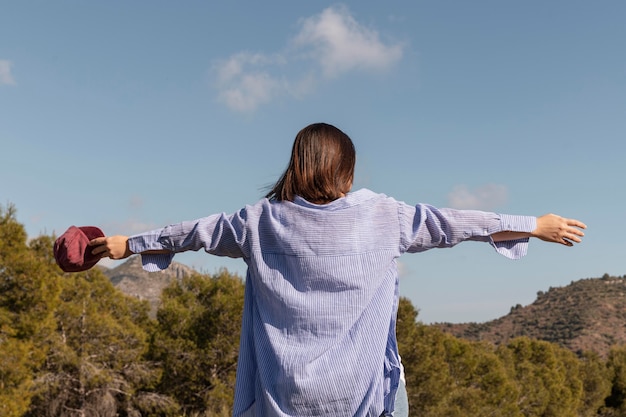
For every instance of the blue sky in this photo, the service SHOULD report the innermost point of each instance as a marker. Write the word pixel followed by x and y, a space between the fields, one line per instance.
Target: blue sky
pixel 134 115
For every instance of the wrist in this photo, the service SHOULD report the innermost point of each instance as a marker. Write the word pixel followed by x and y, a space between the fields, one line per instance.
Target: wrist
pixel 127 251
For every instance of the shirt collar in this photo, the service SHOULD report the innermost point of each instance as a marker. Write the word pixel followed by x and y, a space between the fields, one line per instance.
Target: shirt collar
pixel 349 200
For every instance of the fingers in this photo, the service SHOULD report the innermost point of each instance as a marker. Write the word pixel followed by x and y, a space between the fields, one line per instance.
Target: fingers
pixel 575 229
pixel 97 241
pixel 104 246
pixel 100 247
pixel 572 238
pixel 576 223
pixel 99 250
pixel 572 232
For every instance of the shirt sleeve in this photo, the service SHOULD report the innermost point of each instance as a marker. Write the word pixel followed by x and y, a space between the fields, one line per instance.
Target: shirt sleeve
pixel 425 227
pixel 220 234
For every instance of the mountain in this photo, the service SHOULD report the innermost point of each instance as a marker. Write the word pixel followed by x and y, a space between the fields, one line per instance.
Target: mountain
pixel 131 279
pixel 586 315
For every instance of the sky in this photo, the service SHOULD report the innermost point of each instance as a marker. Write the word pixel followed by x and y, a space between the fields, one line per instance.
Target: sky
pixel 134 115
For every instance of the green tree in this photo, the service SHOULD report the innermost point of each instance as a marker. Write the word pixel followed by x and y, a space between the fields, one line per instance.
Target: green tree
pixel 596 383
pixel 448 376
pixel 548 377
pixel 481 385
pixel 423 356
pixel 29 289
pixel 95 363
pixel 616 366
pixel 197 341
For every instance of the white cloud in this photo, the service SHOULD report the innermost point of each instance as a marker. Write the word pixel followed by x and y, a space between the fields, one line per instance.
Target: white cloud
pixel 332 44
pixel 244 83
pixel 340 44
pixel 251 91
pixel 487 197
pixel 6 77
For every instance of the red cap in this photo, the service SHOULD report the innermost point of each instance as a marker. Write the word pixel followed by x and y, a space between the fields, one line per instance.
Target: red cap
pixel 71 249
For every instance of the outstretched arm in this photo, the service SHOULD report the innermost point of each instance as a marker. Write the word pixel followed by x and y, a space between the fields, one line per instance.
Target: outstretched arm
pixel 550 228
pixel 116 247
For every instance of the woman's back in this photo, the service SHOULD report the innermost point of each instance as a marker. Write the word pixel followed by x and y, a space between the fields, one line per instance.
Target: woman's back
pixel 321 292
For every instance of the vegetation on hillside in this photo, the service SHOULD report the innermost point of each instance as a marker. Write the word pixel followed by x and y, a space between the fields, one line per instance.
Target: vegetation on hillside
pixel 587 315
pixel 73 345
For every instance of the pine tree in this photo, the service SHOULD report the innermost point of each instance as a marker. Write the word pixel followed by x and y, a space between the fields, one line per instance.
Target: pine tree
pixel 197 341
pixel 547 375
pixel 596 383
pixel 95 364
pixel 616 366
pixel 29 289
pixel 423 355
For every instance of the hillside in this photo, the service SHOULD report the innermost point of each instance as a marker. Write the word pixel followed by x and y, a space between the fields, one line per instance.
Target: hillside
pixel 131 279
pixel 587 315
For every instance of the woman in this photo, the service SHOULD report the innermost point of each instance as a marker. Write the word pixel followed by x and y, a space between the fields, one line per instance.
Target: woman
pixel 318 329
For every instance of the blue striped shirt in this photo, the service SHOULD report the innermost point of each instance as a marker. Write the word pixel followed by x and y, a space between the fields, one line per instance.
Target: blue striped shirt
pixel 321 297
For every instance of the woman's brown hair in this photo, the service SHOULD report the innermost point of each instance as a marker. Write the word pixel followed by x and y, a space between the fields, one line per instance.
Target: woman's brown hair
pixel 321 168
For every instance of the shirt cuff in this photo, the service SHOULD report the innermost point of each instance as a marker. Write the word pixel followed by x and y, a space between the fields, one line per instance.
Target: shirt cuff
pixel 156 262
pixel 512 223
pixel 512 249
pixel 518 248
pixel 150 241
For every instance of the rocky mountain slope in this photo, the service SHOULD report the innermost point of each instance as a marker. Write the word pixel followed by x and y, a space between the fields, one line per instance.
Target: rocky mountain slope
pixel 587 315
pixel 131 279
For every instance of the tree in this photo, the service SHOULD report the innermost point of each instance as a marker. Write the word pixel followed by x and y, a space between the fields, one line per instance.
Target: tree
pixel 616 366
pixel 422 352
pixel 481 385
pixel 596 383
pixel 95 363
pixel 548 377
pixel 448 376
pixel 29 289
pixel 197 340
